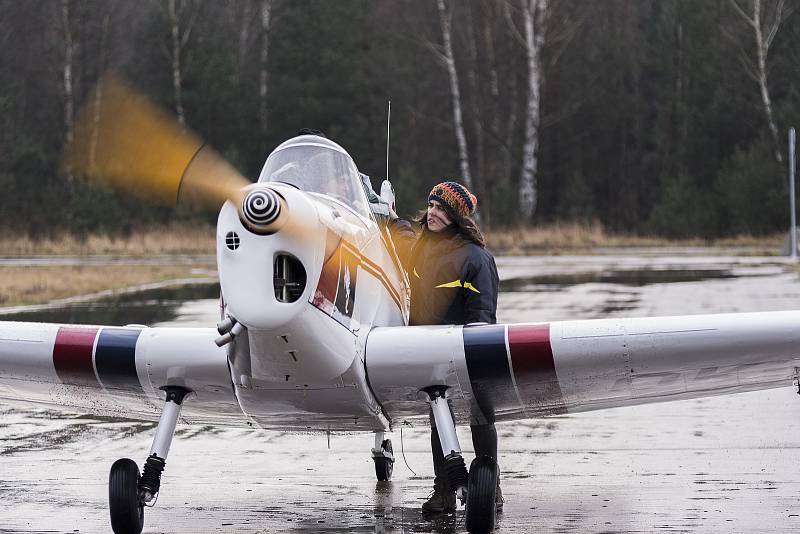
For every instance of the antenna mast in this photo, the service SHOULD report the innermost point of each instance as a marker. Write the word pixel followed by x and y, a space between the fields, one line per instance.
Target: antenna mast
pixel 388 122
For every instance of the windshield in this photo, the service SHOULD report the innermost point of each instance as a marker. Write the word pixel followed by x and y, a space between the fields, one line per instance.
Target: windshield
pixel 317 165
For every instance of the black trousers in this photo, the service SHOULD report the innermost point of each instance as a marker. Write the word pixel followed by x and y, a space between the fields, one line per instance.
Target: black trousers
pixel 484 441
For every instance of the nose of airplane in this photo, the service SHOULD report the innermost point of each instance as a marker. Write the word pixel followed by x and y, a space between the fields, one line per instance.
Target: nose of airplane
pixel 268 251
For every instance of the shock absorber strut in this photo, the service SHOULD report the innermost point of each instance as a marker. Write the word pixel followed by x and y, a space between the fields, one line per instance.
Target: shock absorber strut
pixel 445 426
pixel 150 481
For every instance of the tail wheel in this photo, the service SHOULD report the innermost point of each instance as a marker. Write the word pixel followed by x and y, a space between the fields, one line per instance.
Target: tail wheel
pixel 127 512
pixel 481 493
pixel 384 466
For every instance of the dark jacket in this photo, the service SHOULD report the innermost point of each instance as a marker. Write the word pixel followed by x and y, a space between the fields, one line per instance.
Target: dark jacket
pixel 453 280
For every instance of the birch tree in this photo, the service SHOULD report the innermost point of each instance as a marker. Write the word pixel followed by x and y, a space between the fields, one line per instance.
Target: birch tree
pixel 69 52
pixel 241 14
pixel 181 17
pixel 445 56
pixel 67 77
pixel 764 19
pixel 534 14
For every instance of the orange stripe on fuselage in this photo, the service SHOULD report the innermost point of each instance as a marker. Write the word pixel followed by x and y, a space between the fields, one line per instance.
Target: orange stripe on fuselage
pixel 374 269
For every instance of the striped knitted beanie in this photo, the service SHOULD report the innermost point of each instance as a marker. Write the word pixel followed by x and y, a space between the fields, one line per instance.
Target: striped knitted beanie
pixel 455 198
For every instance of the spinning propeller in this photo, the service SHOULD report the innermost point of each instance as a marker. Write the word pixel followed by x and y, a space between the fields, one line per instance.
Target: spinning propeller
pixel 122 140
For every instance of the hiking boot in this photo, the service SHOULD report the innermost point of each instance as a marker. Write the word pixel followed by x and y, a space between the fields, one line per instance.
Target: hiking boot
pixel 498 500
pixel 440 502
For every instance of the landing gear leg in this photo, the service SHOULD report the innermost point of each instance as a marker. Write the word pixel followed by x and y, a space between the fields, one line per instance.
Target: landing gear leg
pixel 383 457
pixel 478 488
pixel 446 428
pixel 128 492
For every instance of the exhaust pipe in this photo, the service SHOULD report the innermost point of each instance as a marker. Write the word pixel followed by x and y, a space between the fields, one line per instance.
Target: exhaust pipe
pixel 229 336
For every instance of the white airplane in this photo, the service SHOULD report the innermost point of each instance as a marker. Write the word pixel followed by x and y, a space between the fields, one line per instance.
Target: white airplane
pixel 313 335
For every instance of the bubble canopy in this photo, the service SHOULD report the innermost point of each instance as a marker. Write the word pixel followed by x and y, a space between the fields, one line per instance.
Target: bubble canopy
pixel 317 165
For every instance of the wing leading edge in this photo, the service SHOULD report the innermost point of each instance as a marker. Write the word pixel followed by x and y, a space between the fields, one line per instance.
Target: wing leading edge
pixel 506 372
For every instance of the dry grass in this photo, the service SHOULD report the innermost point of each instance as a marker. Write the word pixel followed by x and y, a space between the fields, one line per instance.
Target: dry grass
pixel 42 284
pixel 155 241
pixel 560 238
pixel 197 240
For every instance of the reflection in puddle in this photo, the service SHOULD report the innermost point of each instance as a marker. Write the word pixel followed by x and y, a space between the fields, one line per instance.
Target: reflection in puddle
pixel 161 305
pixel 391 516
pixel 641 277
pixel 22 431
pixel 144 307
pixel 614 306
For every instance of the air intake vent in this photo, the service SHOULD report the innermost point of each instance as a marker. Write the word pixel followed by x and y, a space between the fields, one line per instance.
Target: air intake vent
pixel 232 240
pixel 289 278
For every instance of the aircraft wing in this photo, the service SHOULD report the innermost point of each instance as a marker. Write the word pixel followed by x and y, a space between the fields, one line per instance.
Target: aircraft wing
pixel 117 371
pixel 516 371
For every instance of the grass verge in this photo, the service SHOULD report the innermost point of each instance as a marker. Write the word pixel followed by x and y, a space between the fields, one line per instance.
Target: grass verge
pixel 199 240
pixel 176 239
pixel 571 238
pixel 41 284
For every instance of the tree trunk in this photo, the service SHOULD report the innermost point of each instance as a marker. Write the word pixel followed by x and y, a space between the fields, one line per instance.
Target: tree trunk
pixel 477 123
pixel 494 80
pixel 534 39
pixel 176 60
pixel 511 126
pixel 455 94
pixel 263 78
pixel 764 32
pixel 761 49
pixel 244 42
pixel 497 156
pixel 98 96
pixel 680 115
pixel 69 51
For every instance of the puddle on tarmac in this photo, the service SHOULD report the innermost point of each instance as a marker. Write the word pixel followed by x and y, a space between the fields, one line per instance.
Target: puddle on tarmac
pixel 161 305
pixel 640 277
pixel 143 307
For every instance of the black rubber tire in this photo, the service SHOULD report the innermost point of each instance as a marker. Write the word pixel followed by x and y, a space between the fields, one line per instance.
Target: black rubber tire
pixel 384 466
pixel 127 513
pixel 481 493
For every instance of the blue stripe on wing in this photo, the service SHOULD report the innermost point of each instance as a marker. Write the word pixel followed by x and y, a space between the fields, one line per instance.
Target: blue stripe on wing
pixel 115 359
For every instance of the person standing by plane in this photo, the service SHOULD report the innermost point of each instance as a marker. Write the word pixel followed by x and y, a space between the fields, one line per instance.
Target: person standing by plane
pixel 453 280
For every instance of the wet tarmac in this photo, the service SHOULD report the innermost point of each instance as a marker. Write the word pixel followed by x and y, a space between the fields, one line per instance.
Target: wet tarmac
pixel 724 464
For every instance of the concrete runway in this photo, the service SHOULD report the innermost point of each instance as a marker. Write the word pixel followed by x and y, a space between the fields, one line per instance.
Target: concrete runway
pixel 723 464
pixel 727 464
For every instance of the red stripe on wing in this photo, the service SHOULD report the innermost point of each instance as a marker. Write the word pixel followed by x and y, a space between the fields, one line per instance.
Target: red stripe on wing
pixel 72 356
pixel 534 366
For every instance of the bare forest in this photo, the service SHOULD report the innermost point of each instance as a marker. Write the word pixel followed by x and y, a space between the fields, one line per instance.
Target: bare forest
pixel 649 117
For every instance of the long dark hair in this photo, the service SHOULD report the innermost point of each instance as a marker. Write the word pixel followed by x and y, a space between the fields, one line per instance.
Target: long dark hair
pixel 466 226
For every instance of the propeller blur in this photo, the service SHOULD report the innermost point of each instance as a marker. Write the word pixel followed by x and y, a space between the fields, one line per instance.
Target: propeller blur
pixel 122 140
